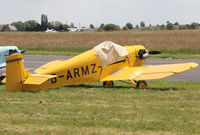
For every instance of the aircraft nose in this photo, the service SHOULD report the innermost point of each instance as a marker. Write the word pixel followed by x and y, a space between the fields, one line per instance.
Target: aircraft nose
pixel 143 54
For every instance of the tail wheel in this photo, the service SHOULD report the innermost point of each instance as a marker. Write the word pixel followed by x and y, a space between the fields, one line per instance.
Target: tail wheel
pixel 108 83
pixel 142 84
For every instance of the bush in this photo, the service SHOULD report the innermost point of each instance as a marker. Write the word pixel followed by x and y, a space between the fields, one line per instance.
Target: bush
pixel 125 28
pixel 194 25
pixel 111 27
pixel 100 30
pixel 170 26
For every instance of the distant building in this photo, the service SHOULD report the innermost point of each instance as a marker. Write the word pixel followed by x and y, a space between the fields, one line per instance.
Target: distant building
pixel 10 28
pixel 72 29
pixel 86 29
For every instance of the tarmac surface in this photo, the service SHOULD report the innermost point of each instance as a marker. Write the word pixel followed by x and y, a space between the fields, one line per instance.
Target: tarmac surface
pixel 32 62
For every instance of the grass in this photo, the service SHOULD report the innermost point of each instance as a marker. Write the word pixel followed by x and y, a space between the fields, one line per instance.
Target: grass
pixel 70 51
pixel 181 54
pixel 184 43
pixel 165 107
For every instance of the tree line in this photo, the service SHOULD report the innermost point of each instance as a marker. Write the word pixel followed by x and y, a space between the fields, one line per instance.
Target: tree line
pixel 32 25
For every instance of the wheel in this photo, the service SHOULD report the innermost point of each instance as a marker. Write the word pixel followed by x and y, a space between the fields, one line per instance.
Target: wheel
pixel 141 84
pixel 108 83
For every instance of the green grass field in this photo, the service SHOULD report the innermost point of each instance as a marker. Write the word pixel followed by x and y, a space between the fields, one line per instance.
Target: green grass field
pixel 164 108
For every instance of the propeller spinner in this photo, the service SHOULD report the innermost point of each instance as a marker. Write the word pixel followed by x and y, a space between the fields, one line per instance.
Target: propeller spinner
pixel 143 53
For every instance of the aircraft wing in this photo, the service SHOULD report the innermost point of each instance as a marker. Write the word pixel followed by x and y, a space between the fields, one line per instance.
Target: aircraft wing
pixel 149 72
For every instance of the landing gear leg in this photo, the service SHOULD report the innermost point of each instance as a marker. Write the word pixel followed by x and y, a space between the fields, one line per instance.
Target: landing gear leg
pixel 139 84
pixel 108 84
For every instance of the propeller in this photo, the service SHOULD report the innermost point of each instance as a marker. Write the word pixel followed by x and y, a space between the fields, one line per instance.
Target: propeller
pixel 154 52
pixel 143 53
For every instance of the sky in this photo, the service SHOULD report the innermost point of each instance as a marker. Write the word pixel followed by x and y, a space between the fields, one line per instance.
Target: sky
pixel 86 12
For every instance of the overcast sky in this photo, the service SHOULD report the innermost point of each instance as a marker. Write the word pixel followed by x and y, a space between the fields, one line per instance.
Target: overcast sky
pixel 85 12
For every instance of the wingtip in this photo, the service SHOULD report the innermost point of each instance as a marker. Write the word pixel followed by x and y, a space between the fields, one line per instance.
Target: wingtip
pixel 193 65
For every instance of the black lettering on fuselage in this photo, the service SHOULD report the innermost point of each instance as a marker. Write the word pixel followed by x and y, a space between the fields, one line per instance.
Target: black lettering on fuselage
pixel 76 72
pixel 85 71
pixel 93 68
pixel 69 75
pixel 53 80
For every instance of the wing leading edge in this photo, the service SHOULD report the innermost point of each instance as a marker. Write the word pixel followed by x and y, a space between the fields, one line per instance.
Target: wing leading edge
pixel 149 72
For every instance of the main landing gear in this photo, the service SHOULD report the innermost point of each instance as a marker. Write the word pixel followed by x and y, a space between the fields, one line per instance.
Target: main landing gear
pixel 108 84
pixel 139 84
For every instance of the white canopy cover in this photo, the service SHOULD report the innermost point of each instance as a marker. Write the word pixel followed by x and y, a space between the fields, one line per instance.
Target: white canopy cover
pixel 110 52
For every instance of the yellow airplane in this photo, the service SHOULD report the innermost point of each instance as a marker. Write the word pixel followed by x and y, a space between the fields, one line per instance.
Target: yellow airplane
pixel 106 62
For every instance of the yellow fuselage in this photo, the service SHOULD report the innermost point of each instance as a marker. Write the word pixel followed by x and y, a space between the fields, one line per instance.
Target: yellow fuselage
pixel 84 68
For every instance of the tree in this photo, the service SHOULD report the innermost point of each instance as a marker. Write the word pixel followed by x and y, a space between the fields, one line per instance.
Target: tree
pixel 125 28
pixel 176 23
pixel 162 27
pixel 137 26
pixel 4 27
pixel 111 27
pixel 58 25
pixel 19 25
pixel 72 25
pixel 188 26
pixel 142 24
pixel 38 27
pixel 193 25
pixel 170 26
pixel 182 27
pixel 60 28
pixel 91 26
pixel 102 26
pixel 129 26
pixel 65 27
pixel 51 25
pixel 30 25
pixel 44 21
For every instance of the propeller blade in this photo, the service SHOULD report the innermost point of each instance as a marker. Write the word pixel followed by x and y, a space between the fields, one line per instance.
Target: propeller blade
pixel 154 52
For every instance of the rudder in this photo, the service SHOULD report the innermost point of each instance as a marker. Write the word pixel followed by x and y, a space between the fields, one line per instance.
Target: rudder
pixel 15 73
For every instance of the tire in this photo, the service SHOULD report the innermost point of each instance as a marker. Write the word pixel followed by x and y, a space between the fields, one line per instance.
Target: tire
pixel 141 84
pixel 108 84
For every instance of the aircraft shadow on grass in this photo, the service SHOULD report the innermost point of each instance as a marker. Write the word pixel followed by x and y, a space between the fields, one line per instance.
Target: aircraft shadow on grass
pixel 125 87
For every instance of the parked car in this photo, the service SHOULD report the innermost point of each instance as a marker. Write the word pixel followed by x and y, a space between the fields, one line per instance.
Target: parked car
pixel 8 50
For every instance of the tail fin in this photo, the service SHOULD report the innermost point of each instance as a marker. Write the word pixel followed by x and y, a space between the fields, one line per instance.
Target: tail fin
pixel 15 73
pixel 18 79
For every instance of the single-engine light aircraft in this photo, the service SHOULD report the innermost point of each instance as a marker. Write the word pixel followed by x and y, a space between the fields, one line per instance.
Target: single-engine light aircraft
pixel 106 62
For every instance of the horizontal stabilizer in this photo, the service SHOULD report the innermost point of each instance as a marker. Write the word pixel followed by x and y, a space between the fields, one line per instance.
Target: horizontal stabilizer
pixel 149 72
pixel 36 79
